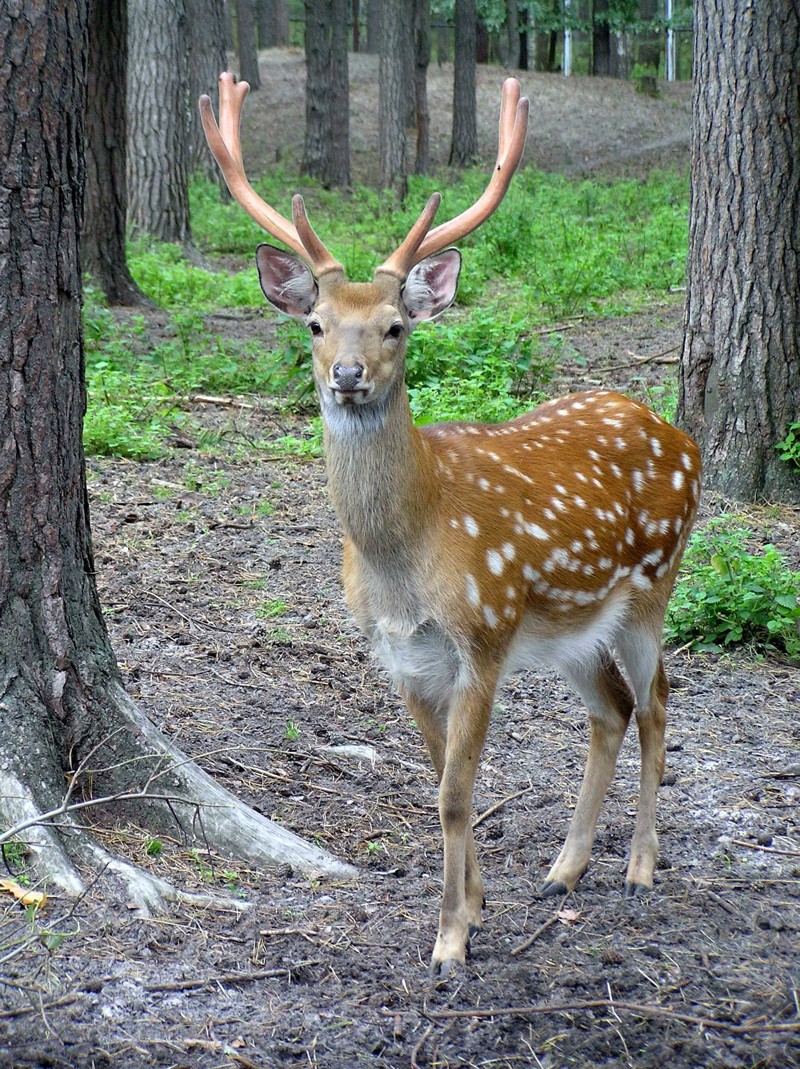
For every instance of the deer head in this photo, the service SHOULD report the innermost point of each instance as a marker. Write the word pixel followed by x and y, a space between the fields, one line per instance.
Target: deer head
pixel 359 330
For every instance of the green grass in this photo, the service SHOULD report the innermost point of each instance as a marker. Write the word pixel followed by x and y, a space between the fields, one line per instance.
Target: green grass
pixel 729 595
pixel 556 247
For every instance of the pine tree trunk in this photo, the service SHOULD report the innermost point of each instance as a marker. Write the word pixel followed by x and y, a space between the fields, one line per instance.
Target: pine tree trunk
pixel 272 19
pixel 464 150
pixel 106 201
pixel 422 54
pixel 338 163
pixel 246 39
pixel 391 103
pixel 740 367
pixel 66 725
pixel 158 198
pixel 601 39
pixel 207 60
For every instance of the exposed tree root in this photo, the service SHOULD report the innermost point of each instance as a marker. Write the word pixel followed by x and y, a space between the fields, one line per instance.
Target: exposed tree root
pixel 149 771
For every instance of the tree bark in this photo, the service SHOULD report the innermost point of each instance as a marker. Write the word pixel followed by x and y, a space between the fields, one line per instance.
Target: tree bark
pixel 601 39
pixel 740 366
pixel 464 149
pixel 391 102
pixel 272 17
pixel 106 203
pixel 326 154
pixel 246 40
pixel 207 60
pixel 67 729
pixel 422 54
pixel 373 26
pixel 158 193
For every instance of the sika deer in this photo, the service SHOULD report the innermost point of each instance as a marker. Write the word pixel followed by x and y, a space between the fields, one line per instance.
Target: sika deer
pixel 471 550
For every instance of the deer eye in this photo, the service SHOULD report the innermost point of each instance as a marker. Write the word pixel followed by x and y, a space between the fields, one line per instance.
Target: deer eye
pixel 315 328
pixel 395 330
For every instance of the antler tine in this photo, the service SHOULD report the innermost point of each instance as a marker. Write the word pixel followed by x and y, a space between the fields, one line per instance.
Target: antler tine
pixel 513 128
pixel 321 258
pixel 225 145
pixel 404 257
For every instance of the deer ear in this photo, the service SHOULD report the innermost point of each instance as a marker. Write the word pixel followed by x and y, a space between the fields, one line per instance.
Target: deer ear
pixel 286 281
pixel 431 285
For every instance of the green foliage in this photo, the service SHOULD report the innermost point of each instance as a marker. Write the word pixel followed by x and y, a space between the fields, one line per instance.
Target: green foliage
pixel 556 247
pixel 789 448
pixel 727 595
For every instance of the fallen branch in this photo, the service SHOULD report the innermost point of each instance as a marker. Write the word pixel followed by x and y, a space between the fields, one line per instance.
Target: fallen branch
pixel 643 1009
pixel 541 929
pixel 499 805
pixel 228 978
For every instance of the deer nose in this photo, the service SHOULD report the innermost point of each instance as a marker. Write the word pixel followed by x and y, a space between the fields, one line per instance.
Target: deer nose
pixel 347 377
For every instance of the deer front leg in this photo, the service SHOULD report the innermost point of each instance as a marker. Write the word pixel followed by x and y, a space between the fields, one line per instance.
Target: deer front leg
pixel 432 723
pixel 462 894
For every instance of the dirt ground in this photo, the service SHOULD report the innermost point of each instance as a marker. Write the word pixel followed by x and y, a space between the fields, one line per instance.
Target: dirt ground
pixel 219 573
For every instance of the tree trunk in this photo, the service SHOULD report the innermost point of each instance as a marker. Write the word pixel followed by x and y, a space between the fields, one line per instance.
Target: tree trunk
pixel 422 54
pixel 510 47
pixel 68 732
pixel 158 195
pixel 391 102
pixel 374 26
pixel 272 17
pixel 649 40
pixel 601 39
pixel 207 60
pixel 106 203
pixel 246 40
pixel 339 90
pixel 740 367
pixel 326 154
pixel 464 149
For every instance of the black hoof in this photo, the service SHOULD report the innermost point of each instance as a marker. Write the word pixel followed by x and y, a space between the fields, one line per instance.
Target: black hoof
pixel 552 888
pixel 636 890
pixel 473 930
pixel 443 972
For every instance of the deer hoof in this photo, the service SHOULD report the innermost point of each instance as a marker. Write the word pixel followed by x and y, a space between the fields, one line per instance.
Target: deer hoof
pixel 636 890
pixel 552 888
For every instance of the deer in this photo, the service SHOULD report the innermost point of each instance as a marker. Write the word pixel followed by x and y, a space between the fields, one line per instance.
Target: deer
pixel 471 550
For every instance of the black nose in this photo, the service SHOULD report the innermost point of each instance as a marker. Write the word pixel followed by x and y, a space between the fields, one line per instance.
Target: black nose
pixel 347 378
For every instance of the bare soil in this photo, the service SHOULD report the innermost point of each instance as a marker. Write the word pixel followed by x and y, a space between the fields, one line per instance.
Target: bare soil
pixel 219 573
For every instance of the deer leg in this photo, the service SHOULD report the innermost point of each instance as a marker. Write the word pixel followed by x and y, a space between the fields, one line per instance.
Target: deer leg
pixel 432 723
pixel 641 655
pixel 610 703
pixel 462 893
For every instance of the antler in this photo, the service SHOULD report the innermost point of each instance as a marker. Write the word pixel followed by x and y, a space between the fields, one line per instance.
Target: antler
pixel 416 246
pixel 224 142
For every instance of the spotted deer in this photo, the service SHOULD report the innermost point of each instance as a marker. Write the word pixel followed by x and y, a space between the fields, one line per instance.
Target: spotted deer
pixel 472 549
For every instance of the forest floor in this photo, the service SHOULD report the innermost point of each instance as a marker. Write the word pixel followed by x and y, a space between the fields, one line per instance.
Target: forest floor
pixel 219 573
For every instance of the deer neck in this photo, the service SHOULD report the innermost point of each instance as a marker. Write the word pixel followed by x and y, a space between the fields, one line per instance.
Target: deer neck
pixel 379 476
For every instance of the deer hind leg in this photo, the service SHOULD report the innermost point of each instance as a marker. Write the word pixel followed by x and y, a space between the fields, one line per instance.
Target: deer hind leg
pixel 609 702
pixel 640 652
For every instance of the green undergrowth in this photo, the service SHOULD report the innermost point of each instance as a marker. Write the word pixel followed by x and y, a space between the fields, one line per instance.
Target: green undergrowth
pixel 556 248
pixel 729 594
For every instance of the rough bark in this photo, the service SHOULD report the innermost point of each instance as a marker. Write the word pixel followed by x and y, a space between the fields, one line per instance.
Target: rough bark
pixel 391 130
pixel 373 26
pixel 158 197
pixel 464 148
pixel 67 729
pixel 207 60
pixel 272 17
pixel 246 42
pixel 601 39
pixel 106 202
pixel 422 55
pixel 326 153
pixel 740 366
